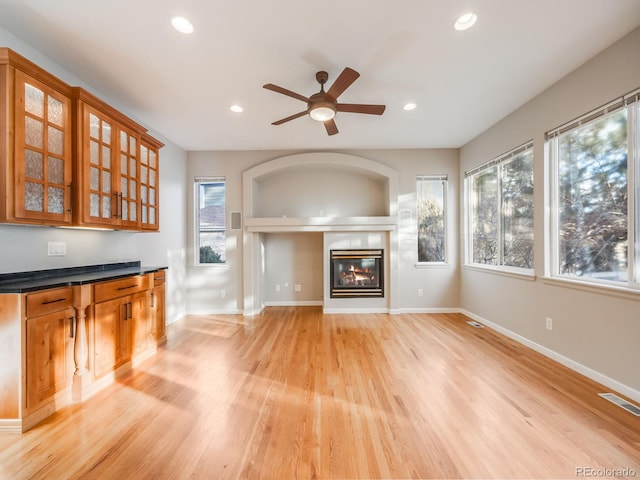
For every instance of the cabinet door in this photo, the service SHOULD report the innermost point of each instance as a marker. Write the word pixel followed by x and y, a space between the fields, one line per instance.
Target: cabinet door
pixel 47 363
pixel 158 313
pixel 99 163
pixel 43 155
pixel 139 322
pixel 149 183
pixel 129 184
pixel 107 344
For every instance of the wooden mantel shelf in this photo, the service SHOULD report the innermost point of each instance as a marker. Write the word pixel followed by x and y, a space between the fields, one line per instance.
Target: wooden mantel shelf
pixel 320 224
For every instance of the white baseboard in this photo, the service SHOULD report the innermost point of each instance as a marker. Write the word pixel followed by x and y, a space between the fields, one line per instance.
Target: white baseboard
pixel 567 362
pixel 223 311
pixel 331 311
pixel 10 426
pixel 429 310
pixel 304 303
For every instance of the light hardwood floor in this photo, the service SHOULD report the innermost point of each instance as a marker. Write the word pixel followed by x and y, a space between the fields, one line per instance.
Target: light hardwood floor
pixel 295 394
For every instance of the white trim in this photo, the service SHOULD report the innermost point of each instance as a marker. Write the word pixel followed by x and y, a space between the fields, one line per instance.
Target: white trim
pixel 430 310
pixel 295 303
pixel 222 311
pixel 519 273
pixel 553 355
pixel 330 311
pixel 11 426
pixel 433 265
pixel 594 287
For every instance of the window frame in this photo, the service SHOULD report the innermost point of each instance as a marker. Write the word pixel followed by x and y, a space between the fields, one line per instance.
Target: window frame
pixel 630 102
pixel 469 206
pixel 444 178
pixel 197 182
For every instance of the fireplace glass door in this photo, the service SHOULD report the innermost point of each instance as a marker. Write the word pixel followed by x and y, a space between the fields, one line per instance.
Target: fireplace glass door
pixel 357 273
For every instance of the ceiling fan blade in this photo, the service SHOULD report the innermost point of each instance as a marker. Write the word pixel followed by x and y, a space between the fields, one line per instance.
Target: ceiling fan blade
pixel 331 127
pixel 284 91
pixel 292 117
pixel 360 108
pixel 344 80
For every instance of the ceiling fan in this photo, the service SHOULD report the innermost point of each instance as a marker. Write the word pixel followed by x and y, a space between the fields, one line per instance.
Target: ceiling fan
pixel 323 106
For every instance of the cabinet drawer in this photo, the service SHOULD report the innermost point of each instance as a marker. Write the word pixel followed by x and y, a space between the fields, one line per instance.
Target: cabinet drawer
pixel 158 279
pixel 119 288
pixel 48 301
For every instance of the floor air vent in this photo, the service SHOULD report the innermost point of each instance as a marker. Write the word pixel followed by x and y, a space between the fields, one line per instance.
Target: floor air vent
pixel 621 402
pixel 475 324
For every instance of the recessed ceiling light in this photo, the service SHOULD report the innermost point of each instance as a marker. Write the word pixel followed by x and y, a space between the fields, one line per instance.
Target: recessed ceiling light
pixel 181 24
pixel 466 21
pixel 236 108
pixel 409 106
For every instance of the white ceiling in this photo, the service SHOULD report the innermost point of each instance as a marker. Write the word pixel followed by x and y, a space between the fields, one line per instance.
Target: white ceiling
pixel 405 50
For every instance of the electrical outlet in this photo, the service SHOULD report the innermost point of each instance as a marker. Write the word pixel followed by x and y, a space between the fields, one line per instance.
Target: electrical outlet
pixel 419 292
pixel 223 293
pixel 549 323
pixel 277 287
pixel 57 249
pixel 298 288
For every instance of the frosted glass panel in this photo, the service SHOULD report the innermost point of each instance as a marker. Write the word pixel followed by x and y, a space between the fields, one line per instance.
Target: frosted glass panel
pixel 123 141
pixel 152 216
pixel 94 205
pixel 106 207
pixel 94 152
pixel 94 179
pixel 34 100
pixel 133 170
pixel 123 164
pixel 56 112
pixel 106 156
pixel 143 193
pixel 55 200
pixel 152 178
pixel 133 144
pixel 144 153
pixel 34 165
pixel 55 140
pixel 152 159
pixel 123 186
pixel 144 174
pixel 106 182
pixel 33 132
pixel 143 212
pixel 125 211
pixel 134 190
pixel 152 196
pixel 34 196
pixel 133 211
pixel 56 170
pixel 94 126
pixel 106 133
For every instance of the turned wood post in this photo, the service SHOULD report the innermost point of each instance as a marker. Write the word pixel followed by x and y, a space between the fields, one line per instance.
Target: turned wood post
pixel 82 298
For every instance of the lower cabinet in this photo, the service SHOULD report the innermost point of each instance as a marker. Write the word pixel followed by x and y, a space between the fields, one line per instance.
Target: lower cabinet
pixel 49 344
pixel 121 325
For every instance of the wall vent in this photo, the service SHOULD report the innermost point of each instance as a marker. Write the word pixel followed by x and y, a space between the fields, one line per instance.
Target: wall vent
pixel 475 324
pixel 622 403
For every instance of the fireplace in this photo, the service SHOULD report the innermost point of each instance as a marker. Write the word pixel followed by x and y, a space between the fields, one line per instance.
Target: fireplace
pixel 357 273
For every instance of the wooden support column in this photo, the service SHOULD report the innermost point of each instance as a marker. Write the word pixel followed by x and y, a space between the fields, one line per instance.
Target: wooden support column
pixel 82 298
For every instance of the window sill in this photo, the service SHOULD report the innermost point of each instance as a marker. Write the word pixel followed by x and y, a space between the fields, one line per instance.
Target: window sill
pixel 609 290
pixel 519 273
pixel 212 265
pixel 432 265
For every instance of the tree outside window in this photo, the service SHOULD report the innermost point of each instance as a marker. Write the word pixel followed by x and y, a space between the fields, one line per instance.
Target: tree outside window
pixel 431 192
pixel 500 210
pixel 210 220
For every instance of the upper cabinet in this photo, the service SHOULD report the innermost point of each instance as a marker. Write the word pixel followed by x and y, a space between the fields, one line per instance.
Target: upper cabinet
pixel 35 145
pixel 68 158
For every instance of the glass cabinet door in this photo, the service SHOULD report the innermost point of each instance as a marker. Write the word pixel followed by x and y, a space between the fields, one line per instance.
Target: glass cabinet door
pixel 149 181
pixel 129 179
pixel 43 152
pixel 100 167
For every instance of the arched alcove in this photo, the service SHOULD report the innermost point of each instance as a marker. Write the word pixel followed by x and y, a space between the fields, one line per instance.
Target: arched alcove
pixel 319 192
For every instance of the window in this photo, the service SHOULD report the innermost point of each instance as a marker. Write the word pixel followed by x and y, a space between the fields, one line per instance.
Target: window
pixel 210 220
pixel 593 230
pixel 431 192
pixel 500 210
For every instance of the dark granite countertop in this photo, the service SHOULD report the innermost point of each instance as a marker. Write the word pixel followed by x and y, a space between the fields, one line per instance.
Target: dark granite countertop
pixel 24 282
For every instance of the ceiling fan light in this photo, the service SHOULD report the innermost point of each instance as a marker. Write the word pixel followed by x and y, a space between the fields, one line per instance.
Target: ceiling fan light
pixel 322 112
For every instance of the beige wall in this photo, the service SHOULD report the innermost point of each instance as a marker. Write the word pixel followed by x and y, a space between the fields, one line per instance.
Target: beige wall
pixel 597 333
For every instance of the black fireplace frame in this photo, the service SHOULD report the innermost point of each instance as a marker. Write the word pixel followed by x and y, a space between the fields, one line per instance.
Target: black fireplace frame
pixel 355 291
